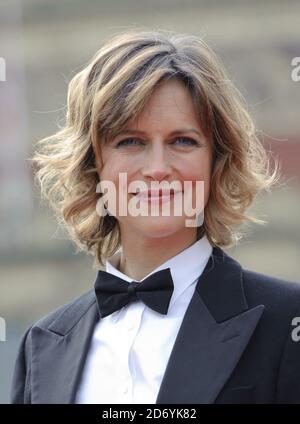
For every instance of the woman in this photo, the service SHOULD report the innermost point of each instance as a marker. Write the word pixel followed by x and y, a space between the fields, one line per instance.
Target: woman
pixel 172 318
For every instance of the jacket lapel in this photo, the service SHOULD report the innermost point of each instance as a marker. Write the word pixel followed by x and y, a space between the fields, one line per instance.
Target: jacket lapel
pixel 59 351
pixel 214 333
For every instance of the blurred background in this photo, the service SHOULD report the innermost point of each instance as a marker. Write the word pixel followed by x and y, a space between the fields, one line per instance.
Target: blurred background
pixel 43 43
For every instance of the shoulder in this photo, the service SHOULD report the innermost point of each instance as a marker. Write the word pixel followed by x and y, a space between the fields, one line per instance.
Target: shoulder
pixel 281 300
pixel 59 321
pixel 270 290
pixel 274 293
pixel 72 312
pixel 280 323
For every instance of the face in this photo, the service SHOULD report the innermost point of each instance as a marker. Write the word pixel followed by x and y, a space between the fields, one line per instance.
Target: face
pixel 164 143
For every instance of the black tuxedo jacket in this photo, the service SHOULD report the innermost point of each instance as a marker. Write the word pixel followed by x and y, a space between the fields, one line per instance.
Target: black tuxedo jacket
pixel 234 345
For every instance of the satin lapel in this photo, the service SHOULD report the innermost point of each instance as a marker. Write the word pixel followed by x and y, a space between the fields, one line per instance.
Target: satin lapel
pixel 214 333
pixel 59 352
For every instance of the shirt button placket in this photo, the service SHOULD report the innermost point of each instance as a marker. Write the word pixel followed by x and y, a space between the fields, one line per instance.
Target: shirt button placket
pixel 133 317
pixel 130 327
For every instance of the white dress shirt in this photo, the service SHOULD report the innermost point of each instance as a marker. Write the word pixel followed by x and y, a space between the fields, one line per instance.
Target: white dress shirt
pixel 131 347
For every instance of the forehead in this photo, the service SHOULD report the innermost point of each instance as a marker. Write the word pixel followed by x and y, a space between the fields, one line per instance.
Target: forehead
pixel 171 103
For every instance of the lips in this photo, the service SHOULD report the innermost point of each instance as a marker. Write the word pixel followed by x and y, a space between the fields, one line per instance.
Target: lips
pixel 155 193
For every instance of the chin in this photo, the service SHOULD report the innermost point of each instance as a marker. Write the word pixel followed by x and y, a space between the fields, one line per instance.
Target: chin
pixel 156 227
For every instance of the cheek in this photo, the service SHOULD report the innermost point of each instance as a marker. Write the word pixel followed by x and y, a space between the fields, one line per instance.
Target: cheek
pixel 112 167
pixel 199 171
pixel 111 172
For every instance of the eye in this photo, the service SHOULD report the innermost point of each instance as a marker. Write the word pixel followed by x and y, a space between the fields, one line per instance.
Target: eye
pixel 133 142
pixel 128 142
pixel 187 141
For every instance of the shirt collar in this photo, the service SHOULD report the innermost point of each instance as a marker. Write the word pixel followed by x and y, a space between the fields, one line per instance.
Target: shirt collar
pixel 185 267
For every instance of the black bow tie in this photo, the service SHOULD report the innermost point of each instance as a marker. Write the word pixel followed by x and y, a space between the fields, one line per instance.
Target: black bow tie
pixel 113 292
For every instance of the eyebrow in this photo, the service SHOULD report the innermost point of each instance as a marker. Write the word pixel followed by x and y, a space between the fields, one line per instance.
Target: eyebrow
pixel 178 131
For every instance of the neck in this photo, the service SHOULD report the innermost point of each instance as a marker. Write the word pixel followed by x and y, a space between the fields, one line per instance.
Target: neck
pixel 140 256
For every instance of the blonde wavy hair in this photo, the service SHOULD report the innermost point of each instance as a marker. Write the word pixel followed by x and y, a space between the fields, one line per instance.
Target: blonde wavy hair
pixel 112 88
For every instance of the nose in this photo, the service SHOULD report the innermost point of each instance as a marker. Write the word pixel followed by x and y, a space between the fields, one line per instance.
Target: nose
pixel 156 164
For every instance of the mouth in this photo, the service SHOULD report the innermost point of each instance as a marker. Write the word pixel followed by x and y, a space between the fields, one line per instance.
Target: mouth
pixel 155 194
pixel 156 197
